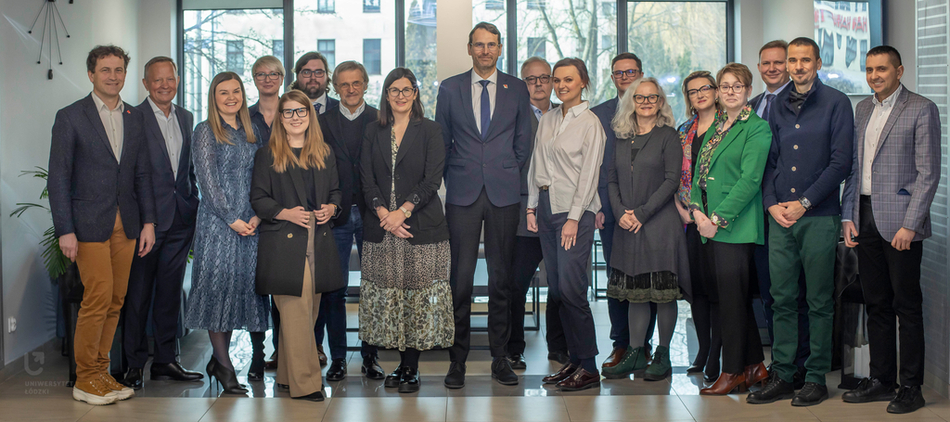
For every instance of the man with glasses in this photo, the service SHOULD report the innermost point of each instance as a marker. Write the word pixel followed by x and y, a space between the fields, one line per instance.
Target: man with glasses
pixel 812 136
pixel 311 78
pixel 343 129
pixel 486 126
pixel 626 68
pixel 536 72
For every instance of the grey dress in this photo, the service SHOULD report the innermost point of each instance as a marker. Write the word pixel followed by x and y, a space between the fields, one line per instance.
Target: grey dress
pixel 222 276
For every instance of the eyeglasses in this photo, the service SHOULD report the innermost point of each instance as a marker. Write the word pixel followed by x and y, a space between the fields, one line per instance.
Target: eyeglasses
pixel 737 88
pixel 481 46
pixel 406 92
pixel 261 76
pixel 531 80
pixel 631 73
pixel 357 85
pixel 705 90
pixel 651 99
pixel 306 73
pixel 288 113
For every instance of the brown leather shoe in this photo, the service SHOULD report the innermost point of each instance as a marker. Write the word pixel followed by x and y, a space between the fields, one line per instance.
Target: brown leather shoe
pixel 756 374
pixel 725 385
pixel 580 380
pixel 323 356
pixel 561 374
pixel 615 357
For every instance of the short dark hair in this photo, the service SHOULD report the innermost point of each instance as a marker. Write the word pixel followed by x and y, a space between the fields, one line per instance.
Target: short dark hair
pixel 101 51
pixel 306 58
pixel 159 59
pixel 890 51
pixel 385 112
pixel 626 56
pixel 774 44
pixel 807 42
pixel 491 28
pixel 578 64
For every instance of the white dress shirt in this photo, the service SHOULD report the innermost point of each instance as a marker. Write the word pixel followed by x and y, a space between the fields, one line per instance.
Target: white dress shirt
pixel 323 103
pixel 872 135
pixel 112 122
pixel 171 132
pixel 352 116
pixel 568 151
pixel 477 95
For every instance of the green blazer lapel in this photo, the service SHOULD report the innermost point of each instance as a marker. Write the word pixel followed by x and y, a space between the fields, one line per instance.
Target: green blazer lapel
pixel 731 136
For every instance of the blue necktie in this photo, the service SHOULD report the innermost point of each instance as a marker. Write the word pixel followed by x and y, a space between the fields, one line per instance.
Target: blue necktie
pixel 485 109
pixel 317 106
pixel 768 107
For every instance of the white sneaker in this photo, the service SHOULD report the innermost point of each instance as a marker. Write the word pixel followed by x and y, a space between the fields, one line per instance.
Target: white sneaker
pixel 123 392
pixel 94 392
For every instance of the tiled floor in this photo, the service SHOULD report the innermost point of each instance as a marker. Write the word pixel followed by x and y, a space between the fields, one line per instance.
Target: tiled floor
pixel 43 396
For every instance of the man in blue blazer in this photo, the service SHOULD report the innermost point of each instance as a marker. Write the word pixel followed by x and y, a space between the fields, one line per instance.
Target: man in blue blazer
pixel 100 195
pixel 886 215
pixel 168 139
pixel 486 125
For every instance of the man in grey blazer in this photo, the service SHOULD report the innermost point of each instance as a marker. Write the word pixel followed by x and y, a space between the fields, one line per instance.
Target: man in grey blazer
pixel 486 126
pixel 886 216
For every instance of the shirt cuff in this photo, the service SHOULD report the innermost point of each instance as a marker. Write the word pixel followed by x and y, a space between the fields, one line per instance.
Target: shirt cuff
pixel 719 221
pixel 575 213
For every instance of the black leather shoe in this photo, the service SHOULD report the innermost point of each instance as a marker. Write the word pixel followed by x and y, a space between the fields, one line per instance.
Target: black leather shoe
pixel 172 371
pixel 694 368
pixel 567 370
pixel 559 357
pixel 908 399
pixel 501 372
pixel 517 361
pixel 455 378
pixel 315 396
pixel 133 378
pixel 409 380
pixel 810 395
pixel 776 389
pixel 371 368
pixel 392 380
pixel 337 370
pixel 870 389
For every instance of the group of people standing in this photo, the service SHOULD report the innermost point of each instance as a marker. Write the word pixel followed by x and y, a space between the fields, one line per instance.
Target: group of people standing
pixel 289 184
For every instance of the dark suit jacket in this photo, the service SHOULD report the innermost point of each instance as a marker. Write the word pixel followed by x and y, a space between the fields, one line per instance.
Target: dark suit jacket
pixel 348 166
pixel 171 193
pixel 418 175
pixel 757 100
pixel 496 163
pixel 86 183
pixel 282 247
pixel 605 112
pixel 332 103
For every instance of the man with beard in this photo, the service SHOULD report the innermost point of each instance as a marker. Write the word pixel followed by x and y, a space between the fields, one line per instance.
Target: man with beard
pixel 311 77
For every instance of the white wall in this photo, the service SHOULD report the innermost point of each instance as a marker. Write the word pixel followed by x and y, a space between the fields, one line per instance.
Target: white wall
pixel 454 22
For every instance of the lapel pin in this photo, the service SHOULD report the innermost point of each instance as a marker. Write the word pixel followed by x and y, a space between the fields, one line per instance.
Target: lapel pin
pixel 128 112
pixel 504 86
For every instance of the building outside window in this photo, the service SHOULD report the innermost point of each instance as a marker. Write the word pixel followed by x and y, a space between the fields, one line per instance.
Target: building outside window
pixel 328 49
pixel 372 56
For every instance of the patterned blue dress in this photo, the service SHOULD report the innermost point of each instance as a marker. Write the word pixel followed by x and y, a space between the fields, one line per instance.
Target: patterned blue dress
pixel 222 276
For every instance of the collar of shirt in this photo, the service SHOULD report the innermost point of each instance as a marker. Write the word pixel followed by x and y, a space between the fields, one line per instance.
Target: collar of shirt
pixel 890 100
pixel 158 111
pixel 322 101
pixel 779 90
pixel 100 105
pixel 493 78
pixel 572 113
pixel 352 116
pixel 537 111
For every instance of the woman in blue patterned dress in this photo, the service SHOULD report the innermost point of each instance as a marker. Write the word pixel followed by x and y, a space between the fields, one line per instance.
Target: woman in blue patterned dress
pixel 225 247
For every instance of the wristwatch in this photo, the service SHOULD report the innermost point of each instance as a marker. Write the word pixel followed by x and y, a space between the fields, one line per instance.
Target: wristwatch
pixel 406 212
pixel 806 204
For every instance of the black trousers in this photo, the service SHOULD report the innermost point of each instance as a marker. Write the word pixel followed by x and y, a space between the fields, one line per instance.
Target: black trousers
pixel 731 271
pixel 155 283
pixel 568 273
pixel 890 280
pixel 523 267
pixel 705 305
pixel 465 229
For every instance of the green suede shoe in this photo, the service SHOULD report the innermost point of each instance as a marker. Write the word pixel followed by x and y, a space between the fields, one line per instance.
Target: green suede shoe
pixel 634 360
pixel 661 367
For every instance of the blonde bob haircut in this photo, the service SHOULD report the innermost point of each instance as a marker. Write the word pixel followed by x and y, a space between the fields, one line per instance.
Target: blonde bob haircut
pixel 315 150
pixel 214 116
pixel 625 123
pixel 270 63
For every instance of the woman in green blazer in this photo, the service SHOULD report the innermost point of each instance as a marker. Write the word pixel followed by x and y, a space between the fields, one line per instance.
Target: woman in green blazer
pixel 726 203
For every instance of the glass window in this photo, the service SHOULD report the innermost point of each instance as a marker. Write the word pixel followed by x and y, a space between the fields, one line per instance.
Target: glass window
pixel 536 47
pixel 843 34
pixel 493 12
pixel 370 6
pixel 494 4
pixel 328 49
pixel 674 39
pixel 326 6
pixel 421 50
pixel 371 56
pixel 220 40
pixel 277 46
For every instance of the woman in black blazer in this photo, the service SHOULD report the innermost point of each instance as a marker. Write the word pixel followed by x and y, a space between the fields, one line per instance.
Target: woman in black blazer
pixel 405 297
pixel 295 193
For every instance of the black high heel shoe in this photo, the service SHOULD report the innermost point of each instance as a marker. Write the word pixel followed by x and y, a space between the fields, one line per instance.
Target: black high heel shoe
pixel 226 377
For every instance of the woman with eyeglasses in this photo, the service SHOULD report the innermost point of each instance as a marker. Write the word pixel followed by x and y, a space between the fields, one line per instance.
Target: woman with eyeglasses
pixel 726 204
pixel 405 296
pixel 295 193
pixel 562 203
pixel 649 260
pixel 702 109
pixel 222 296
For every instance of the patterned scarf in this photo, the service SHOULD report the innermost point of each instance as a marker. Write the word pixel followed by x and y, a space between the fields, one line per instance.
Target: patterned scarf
pixel 705 155
pixel 688 133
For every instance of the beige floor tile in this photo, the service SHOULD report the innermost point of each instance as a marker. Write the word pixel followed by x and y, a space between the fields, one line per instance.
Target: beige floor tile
pixel 265 409
pixel 390 409
pixel 733 407
pixel 836 410
pixel 151 409
pixel 527 409
pixel 626 408
pixel 48 409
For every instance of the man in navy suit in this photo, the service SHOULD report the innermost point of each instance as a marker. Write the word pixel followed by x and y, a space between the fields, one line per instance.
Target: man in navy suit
pixel 100 195
pixel 168 139
pixel 312 78
pixel 486 125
